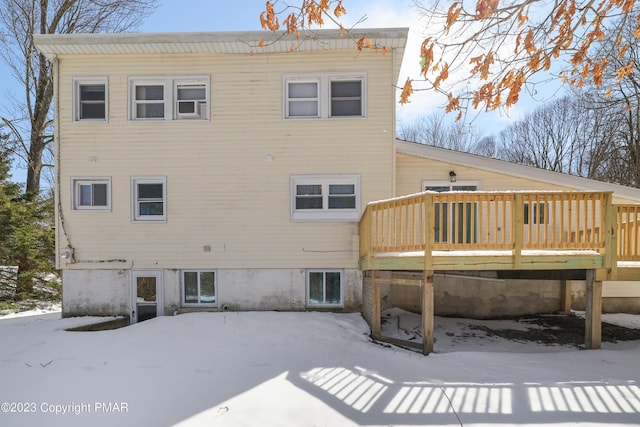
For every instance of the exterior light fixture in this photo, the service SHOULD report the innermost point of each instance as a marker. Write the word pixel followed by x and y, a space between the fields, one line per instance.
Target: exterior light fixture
pixel 452 176
pixel 66 255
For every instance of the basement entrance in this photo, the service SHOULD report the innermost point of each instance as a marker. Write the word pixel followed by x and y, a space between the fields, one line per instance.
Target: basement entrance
pixel 146 290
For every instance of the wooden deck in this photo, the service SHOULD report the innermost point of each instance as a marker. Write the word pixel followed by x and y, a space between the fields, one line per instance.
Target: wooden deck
pixel 490 231
pixel 499 231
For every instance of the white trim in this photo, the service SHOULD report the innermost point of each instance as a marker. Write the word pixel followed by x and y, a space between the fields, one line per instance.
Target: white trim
pixel 135 207
pixel 443 183
pixel 76 181
pixel 227 42
pixel 81 81
pixel 324 93
pixel 325 213
pixel 324 287
pixel 170 88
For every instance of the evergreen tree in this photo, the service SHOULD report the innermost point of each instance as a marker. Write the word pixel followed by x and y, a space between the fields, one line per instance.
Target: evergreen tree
pixel 26 239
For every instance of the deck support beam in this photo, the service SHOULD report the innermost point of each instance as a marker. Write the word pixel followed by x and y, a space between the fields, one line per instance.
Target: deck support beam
pixel 427 312
pixel 565 296
pixel 376 315
pixel 593 310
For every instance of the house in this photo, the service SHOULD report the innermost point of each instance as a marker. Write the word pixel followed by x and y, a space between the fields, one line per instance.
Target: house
pixel 201 171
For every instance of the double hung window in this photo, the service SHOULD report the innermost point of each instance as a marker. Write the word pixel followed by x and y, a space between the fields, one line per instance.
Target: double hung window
pixel 149 196
pixel 90 95
pixel 324 96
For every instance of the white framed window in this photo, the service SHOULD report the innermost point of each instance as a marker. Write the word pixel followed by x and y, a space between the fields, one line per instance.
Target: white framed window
pixel 91 193
pixel 324 95
pixel 169 98
pixel 149 199
pixel 148 99
pixel 325 198
pixel 324 288
pixel 346 97
pixel 199 288
pixel 90 98
pixel 303 98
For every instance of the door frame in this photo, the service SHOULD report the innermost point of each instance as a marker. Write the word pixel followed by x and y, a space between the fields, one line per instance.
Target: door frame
pixel 133 315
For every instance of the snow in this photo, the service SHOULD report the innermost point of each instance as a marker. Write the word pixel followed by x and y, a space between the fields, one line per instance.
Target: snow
pixel 495 253
pixel 303 369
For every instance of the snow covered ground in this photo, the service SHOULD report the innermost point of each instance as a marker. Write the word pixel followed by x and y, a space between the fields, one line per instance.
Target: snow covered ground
pixel 302 369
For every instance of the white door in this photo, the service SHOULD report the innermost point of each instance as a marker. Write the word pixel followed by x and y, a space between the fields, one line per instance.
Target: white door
pixel 146 292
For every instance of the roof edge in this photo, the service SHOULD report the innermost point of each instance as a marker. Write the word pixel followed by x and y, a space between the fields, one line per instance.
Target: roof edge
pixel 514 169
pixel 244 41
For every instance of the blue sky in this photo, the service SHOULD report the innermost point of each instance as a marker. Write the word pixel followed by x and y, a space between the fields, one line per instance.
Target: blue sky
pixel 245 14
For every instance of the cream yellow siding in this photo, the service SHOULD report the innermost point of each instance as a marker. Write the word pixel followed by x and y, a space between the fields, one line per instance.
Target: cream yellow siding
pixel 227 178
pixel 413 170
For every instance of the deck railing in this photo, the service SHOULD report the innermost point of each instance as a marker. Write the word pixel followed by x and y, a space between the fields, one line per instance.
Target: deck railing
pixel 487 221
pixel 628 224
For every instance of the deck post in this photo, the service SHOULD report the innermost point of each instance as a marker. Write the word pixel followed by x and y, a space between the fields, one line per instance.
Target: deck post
pixel 376 315
pixel 517 230
pixel 593 311
pixel 427 312
pixel 610 227
pixel 565 296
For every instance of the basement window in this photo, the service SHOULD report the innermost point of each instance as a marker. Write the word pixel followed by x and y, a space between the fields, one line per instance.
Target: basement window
pixel 199 288
pixel 324 288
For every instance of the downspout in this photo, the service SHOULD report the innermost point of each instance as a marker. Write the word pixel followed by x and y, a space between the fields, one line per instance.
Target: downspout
pixel 58 212
pixel 394 80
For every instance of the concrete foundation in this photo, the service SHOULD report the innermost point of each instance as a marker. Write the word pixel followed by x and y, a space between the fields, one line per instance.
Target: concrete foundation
pixel 108 292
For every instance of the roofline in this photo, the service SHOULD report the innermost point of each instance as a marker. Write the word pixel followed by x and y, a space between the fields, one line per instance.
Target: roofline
pixel 215 42
pixel 513 169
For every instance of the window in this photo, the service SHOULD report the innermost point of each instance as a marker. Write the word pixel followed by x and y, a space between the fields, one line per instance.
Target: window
pixel 148 101
pixel 324 288
pixel 199 288
pixel 149 198
pixel 303 99
pixel 90 99
pixel 325 198
pixel 184 98
pixel 91 194
pixel 346 98
pixel 324 96
pixel 538 213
